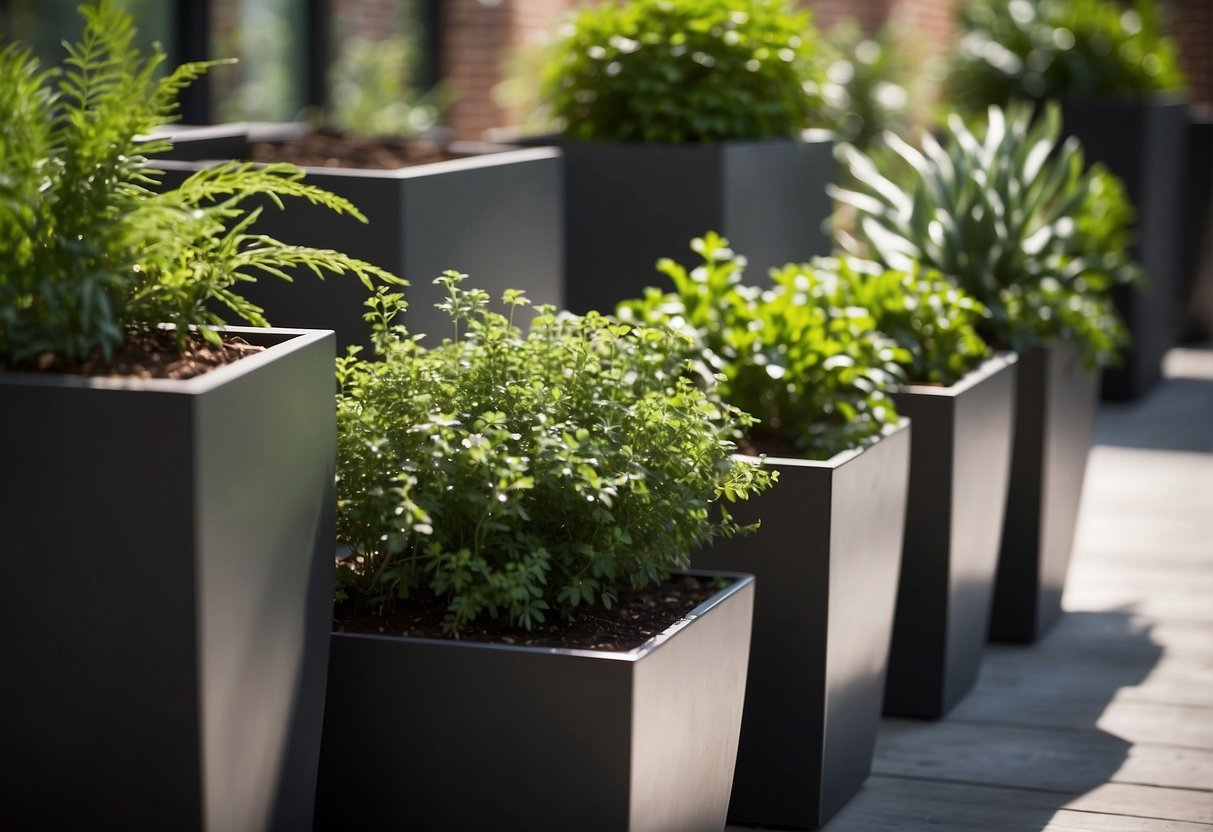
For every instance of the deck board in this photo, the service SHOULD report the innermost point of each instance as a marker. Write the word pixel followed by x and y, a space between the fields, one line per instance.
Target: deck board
pixel 1106 724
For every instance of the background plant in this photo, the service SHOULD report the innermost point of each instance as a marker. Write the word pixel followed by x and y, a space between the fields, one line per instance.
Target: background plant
pixel 1012 217
pixel 867 82
pixel 518 475
pixel 933 321
pixel 372 92
pixel 814 375
pixel 1041 49
pixel 89 251
pixel 684 71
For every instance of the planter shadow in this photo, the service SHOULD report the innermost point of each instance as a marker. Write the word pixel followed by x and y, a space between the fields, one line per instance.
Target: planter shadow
pixel 959 467
pixel 430 734
pixel 1056 399
pixel 172 541
pixel 826 559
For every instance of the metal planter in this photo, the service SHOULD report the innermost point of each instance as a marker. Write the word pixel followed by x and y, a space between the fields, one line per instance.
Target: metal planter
pixel 1143 143
pixel 1055 403
pixel 168 545
pixel 428 734
pixel 959 467
pixel 495 216
pixel 826 559
pixel 628 205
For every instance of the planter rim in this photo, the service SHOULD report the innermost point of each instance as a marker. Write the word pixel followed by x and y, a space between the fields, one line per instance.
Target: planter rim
pixel 740 581
pixel 992 365
pixel 837 461
pixel 277 341
pixel 486 160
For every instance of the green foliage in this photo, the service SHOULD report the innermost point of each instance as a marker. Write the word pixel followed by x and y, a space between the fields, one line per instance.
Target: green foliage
pixel 1012 217
pixel 1042 49
pixel 684 71
pixel 933 321
pixel 867 83
pixel 371 90
pixel 815 375
pixel 89 251
pixel 519 475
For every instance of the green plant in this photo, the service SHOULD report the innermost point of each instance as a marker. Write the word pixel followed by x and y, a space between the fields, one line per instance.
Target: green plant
pixel 371 92
pixel 89 252
pixel 1012 217
pixel 814 375
pixel 1042 49
pixel 515 475
pixel 933 321
pixel 684 71
pixel 867 82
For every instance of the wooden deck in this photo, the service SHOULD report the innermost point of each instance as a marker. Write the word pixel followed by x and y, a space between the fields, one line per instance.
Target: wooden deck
pixel 1106 725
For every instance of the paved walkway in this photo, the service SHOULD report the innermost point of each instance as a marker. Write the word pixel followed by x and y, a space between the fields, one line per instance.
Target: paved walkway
pixel 1106 725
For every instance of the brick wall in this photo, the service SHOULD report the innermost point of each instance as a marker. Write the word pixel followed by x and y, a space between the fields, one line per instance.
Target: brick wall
pixel 1190 22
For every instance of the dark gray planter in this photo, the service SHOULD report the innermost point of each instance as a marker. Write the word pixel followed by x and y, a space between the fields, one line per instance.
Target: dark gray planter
pixel 960 462
pixel 1056 398
pixel 427 734
pixel 496 217
pixel 1143 143
pixel 168 547
pixel 1197 323
pixel 628 205
pixel 826 558
pixel 193 143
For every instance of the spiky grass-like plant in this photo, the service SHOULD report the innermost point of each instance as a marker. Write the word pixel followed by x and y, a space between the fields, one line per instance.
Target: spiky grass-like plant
pixel 90 251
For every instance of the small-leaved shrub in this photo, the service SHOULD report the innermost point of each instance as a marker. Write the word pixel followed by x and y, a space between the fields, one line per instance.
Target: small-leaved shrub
pixel 516 476
pixel 1052 49
pixel 1013 218
pixel 89 251
pixel 814 375
pixel 684 71
pixel 932 320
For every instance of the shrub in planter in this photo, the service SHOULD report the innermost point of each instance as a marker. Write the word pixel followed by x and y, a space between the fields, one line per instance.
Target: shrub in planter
pixel 1121 88
pixel 679 116
pixel 817 379
pixel 533 481
pixel 960 399
pixel 171 637
pixel 1015 220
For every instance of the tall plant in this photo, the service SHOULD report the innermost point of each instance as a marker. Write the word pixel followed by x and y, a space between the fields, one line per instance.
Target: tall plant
pixel 684 71
pixel 90 251
pixel 1012 216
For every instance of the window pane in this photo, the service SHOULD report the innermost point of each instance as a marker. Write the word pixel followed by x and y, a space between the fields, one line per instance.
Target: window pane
pixel 269 39
pixel 45 24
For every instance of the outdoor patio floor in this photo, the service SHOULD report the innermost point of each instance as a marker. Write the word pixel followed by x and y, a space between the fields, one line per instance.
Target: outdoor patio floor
pixel 1105 725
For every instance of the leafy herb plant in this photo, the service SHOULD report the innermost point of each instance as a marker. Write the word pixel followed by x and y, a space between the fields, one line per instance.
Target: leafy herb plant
pixel 1042 49
pixel 684 71
pixel 815 375
pixel 1012 217
pixel 520 476
pixel 89 251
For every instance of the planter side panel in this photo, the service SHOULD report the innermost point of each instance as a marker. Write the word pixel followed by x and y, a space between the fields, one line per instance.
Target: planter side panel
pixel 867 525
pixel 688 700
pixel 1054 419
pixel 409 722
pixel 778 774
pixel 265 574
pixel 98 708
pixel 960 465
pixel 775 203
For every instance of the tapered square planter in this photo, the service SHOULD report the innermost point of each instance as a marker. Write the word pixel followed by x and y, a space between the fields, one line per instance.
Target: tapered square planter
pixel 1143 143
pixel 1056 399
pixel 628 205
pixel 827 559
pixel 428 734
pixel 168 550
pixel 959 467
pixel 495 216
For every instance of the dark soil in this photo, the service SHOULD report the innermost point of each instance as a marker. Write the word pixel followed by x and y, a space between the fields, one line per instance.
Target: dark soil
pixel 639 615
pixel 151 355
pixel 330 149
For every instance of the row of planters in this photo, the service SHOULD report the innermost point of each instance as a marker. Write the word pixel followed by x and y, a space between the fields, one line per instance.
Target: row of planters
pixel 522 505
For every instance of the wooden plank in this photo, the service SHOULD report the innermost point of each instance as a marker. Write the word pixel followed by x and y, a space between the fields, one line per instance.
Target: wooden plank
pixel 1147 802
pixel 887 803
pixel 1033 758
